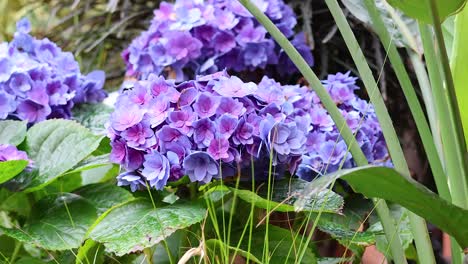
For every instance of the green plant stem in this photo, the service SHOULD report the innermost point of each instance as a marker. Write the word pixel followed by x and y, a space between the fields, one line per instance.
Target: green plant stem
pixel 411 97
pixel 459 148
pixel 418 224
pixel 353 146
pixel 455 171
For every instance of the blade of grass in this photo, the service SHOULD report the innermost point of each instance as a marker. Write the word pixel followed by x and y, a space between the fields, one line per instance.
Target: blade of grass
pixel 382 208
pixel 418 225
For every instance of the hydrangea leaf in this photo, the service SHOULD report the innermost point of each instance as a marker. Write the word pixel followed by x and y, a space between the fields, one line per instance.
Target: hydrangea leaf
pixel 346 236
pixel 17 202
pixel 56 146
pixel 388 184
pixel 60 222
pixel 104 195
pixel 91 162
pixel 11 168
pixel 12 132
pixel 344 227
pixel 421 10
pixel 286 192
pixel 283 249
pixel 65 184
pixel 137 225
pixel 93 116
pixel 404 230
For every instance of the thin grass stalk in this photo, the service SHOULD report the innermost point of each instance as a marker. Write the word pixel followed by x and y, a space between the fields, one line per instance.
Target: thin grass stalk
pixel 359 157
pixel 453 170
pixel 411 97
pixel 418 224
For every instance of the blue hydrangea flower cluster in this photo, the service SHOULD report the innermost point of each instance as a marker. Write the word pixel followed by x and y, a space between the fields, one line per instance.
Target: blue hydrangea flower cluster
pixel 217 125
pixel 39 81
pixel 201 37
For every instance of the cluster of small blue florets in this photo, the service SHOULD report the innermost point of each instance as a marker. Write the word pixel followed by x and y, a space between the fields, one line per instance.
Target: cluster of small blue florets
pixel 201 37
pixel 216 125
pixel 39 81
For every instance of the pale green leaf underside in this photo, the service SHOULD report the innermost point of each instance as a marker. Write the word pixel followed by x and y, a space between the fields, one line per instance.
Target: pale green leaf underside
pixel 12 132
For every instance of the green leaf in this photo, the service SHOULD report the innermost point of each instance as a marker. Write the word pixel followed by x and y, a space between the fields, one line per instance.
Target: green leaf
pixel 346 236
pixel 344 227
pixel 11 168
pixel 136 225
pixel 30 260
pixel 58 222
pixel 17 202
pixel 65 184
pixel 286 192
pixel 458 59
pixel 57 146
pixel 91 162
pixel 387 184
pixel 284 245
pixel 93 116
pixel 90 252
pixel 104 195
pixel 12 132
pixel 404 230
pixel 420 9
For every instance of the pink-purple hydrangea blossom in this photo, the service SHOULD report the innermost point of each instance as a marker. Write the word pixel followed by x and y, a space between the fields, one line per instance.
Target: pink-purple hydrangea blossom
pixel 202 37
pixel 39 81
pixel 216 124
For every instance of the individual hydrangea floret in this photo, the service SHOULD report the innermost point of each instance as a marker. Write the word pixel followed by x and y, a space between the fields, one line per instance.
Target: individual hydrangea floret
pixel 200 37
pixel 216 125
pixel 39 81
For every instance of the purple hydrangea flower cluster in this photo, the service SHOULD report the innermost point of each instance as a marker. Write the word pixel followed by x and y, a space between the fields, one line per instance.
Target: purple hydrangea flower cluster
pixel 216 125
pixel 9 152
pixel 202 37
pixel 39 81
